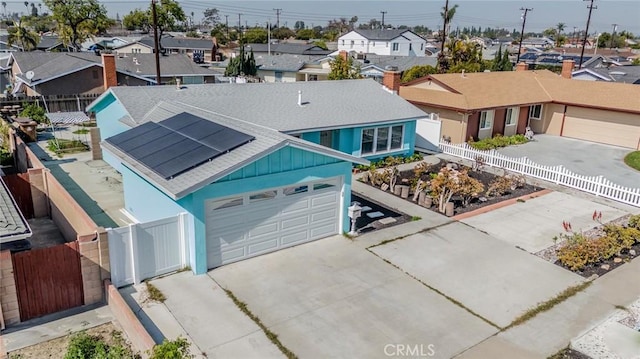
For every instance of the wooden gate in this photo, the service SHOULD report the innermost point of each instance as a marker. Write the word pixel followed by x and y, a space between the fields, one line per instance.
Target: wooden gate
pixel 20 189
pixel 48 280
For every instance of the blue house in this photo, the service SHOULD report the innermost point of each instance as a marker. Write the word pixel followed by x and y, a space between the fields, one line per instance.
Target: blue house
pixel 257 167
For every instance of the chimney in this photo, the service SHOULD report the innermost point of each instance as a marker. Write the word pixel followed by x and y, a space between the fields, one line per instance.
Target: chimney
pixel 567 68
pixel 391 79
pixel 343 54
pixel 109 74
pixel 521 66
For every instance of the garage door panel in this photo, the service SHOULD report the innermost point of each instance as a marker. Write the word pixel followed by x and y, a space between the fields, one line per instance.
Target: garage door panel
pixel 258 227
pixel 295 238
pixel 266 245
pixel 597 126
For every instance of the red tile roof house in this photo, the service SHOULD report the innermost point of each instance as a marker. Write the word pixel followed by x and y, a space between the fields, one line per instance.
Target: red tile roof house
pixel 481 105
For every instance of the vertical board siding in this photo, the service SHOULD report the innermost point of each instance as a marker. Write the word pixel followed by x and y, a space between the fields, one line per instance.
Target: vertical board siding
pixel 283 160
pixel 146 250
pixel 48 280
pixel 597 185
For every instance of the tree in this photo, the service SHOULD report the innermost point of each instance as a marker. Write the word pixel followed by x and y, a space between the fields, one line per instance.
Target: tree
pixel 20 34
pixel 168 12
pixel 447 16
pixel 342 69
pixel 507 65
pixel 211 17
pixel 417 72
pixel 306 34
pixel 461 54
pixel 34 10
pixel 137 20
pixel 78 20
pixel 559 29
pixel 4 8
pixel 299 25
pixel 257 35
pixel 219 31
pixel 243 64
pixel 282 33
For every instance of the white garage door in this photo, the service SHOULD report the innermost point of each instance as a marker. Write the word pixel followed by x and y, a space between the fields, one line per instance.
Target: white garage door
pixel 598 126
pixel 256 223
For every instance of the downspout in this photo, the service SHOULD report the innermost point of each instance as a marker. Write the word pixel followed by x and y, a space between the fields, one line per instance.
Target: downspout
pixel 564 115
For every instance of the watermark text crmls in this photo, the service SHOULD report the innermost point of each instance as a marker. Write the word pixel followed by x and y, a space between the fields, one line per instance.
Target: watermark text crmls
pixel 409 350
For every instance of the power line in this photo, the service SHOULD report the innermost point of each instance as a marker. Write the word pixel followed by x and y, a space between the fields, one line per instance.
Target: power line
pixel 524 21
pixel 586 32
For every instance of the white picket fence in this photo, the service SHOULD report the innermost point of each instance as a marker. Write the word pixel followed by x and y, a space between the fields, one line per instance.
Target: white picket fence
pixel 597 185
pixel 145 250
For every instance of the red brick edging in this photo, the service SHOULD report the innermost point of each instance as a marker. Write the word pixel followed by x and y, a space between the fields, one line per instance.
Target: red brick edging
pixel 495 206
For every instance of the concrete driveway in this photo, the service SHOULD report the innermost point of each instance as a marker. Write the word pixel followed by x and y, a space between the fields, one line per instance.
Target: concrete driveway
pixel 582 157
pixel 334 299
pixel 533 224
pixel 490 277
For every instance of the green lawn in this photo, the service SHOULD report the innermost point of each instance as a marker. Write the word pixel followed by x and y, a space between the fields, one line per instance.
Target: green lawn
pixel 633 160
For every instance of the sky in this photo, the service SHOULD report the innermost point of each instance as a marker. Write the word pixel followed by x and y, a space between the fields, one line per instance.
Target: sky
pixel 496 13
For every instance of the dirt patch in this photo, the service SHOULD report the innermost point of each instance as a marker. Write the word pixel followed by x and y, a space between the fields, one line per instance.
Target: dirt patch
pixel 57 348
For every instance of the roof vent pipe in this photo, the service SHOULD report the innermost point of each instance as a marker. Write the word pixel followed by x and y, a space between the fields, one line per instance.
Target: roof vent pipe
pixel 299 98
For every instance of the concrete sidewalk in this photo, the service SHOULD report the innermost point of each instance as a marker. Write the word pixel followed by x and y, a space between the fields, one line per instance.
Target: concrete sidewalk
pixel 199 310
pixel 55 325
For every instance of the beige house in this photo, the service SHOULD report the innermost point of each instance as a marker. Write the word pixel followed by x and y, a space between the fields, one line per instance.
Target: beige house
pixel 481 105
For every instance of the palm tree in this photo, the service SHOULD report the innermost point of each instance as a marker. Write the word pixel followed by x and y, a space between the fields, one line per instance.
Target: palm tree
pixel 4 8
pixel 449 16
pixel 26 4
pixel 559 29
pixel 26 37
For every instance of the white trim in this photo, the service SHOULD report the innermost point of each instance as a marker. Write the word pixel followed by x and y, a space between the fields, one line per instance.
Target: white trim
pixel 488 120
pixel 514 110
pixel 374 146
pixel 531 107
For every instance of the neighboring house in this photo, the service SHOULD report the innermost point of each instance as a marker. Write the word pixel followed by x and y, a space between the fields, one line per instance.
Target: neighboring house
pixel 289 68
pixel 285 48
pixel 624 74
pixel 481 105
pixel 37 73
pixel 539 42
pixel 383 42
pixel 374 66
pixel 257 167
pixel 4 45
pixel 52 44
pixel 14 227
pixel 170 45
pixel 107 43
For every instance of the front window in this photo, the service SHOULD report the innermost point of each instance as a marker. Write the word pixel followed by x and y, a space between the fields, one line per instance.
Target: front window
pixel 395 46
pixel 382 139
pixel 486 120
pixel 410 47
pixel 278 76
pixel 352 44
pixel 535 112
pixel 511 117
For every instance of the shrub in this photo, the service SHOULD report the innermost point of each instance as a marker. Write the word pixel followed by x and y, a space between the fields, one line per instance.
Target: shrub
pixel 85 346
pixel 498 141
pixel 634 221
pixel 172 349
pixel 505 184
pixel 623 237
pixel 59 146
pixel 34 112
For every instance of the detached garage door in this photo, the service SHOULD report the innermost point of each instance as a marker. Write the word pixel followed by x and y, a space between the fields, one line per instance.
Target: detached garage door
pixel 619 129
pixel 256 223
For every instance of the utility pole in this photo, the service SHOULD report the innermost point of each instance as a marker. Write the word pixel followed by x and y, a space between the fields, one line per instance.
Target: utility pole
pixel 524 21
pixel 278 11
pixel 240 28
pixel 269 37
pixel 613 35
pixel 156 45
pixel 383 12
pixel 573 38
pixel 226 25
pixel 444 28
pixel 586 32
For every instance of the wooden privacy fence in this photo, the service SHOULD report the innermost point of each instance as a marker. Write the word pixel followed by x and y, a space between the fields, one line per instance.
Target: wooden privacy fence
pixel 597 185
pixel 53 103
pixel 145 250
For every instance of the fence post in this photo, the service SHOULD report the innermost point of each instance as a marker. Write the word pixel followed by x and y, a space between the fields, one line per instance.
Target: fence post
pixel 133 236
pixel 599 187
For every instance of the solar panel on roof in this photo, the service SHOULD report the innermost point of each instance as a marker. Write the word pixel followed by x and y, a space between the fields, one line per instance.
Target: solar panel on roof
pixel 178 144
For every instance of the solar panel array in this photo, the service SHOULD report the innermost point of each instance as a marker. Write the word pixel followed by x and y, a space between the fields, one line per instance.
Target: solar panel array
pixel 177 144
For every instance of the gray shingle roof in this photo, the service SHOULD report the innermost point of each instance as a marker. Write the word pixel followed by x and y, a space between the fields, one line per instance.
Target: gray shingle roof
pixel 289 48
pixel 266 140
pixel 284 62
pixel 48 65
pixel 327 104
pixel 13 226
pixel 169 42
pixel 401 62
pixel 379 34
